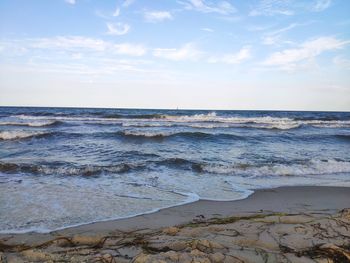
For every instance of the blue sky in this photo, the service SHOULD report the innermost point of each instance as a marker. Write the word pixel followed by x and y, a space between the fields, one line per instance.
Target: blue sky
pixel 262 54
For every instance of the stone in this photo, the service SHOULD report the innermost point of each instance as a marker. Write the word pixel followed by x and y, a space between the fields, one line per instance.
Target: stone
pixel 142 258
pixel 86 240
pixel 217 257
pixel 345 214
pixel 295 219
pixel 185 258
pixel 36 255
pixel 109 258
pixel 172 255
pixel 178 246
pixel 197 253
pixel 171 231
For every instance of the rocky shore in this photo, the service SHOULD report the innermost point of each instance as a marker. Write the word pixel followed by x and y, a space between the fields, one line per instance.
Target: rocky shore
pixel 259 237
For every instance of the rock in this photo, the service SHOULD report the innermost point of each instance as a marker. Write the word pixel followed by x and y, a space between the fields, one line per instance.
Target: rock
pixel 293 258
pixel 171 231
pixel 191 232
pixel 268 219
pixel 295 219
pixel 216 245
pixel 217 257
pixel 36 255
pixel 197 253
pixel 62 242
pixel 13 259
pixel 171 255
pixel 203 245
pixel 178 246
pixel 108 258
pixel 86 240
pixel 185 258
pixel 335 248
pixel 345 214
pixel 267 241
pixel 207 246
pixel 142 258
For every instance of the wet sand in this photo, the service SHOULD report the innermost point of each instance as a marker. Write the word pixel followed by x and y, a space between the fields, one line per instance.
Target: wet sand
pixel 195 231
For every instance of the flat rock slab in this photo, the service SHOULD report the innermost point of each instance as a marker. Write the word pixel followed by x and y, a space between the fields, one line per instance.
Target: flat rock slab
pixel 260 237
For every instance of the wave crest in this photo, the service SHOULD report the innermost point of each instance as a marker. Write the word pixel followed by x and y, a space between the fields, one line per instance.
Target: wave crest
pixel 17 135
pixel 63 169
pixel 32 124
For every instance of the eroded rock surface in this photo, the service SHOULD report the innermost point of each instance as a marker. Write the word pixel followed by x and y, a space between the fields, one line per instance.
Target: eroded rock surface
pixel 255 238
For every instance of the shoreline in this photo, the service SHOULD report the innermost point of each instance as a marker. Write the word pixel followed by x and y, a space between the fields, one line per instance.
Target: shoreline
pixel 285 224
pixel 286 199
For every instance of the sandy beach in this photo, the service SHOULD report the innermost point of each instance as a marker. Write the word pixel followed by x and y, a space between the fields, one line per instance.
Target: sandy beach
pixel 286 224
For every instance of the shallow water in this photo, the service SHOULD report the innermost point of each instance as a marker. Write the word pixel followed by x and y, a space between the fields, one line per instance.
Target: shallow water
pixel 61 167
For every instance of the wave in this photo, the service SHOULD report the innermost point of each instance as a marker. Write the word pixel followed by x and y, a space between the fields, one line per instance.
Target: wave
pixel 312 167
pixel 133 116
pixel 63 169
pixel 297 168
pixel 16 135
pixel 164 135
pixel 182 163
pixel 210 120
pixel 32 124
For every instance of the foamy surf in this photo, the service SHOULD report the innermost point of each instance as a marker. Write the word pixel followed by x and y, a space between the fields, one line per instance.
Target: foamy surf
pixel 16 135
pixel 209 121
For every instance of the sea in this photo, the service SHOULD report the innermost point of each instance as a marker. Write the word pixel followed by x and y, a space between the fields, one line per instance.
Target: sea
pixel 63 167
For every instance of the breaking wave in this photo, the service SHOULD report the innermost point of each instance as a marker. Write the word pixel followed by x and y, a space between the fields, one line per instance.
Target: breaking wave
pixel 17 135
pixel 63 169
pixel 164 135
pixel 312 167
pixel 208 121
pixel 32 124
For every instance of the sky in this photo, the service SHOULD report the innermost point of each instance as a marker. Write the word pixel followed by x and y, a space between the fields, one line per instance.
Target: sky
pixel 188 54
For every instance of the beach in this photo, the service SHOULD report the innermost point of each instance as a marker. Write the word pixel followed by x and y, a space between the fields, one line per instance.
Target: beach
pixel 286 224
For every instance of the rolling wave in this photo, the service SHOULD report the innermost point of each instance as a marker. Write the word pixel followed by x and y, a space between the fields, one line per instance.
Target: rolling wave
pixel 164 135
pixel 312 167
pixel 17 135
pixel 63 169
pixel 32 124
pixel 210 120
pixel 300 168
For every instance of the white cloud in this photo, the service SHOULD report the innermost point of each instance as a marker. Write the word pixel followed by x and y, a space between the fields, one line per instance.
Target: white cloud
pixel 157 16
pixel 274 37
pixel 272 7
pixel 128 3
pixel 222 7
pixel 341 62
pixel 76 45
pixel 67 43
pixel 117 28
pixel 116 12
pixel 321 5
pixel 186 52
pixel 207 29
pixel 308 50
pixel 72 2
pixel 243 54
pixel 129 49
pixel 288 7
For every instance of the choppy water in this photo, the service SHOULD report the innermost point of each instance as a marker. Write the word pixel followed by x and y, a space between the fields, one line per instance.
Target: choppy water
pixel 63 167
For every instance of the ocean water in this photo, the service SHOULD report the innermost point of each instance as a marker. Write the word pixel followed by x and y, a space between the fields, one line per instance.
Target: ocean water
pixel 62 167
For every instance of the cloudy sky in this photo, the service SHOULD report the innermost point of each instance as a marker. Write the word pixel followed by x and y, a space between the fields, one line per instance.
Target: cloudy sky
pixel 258 54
